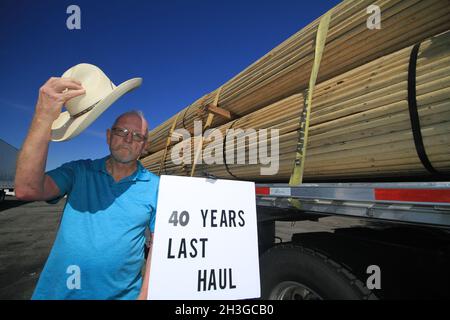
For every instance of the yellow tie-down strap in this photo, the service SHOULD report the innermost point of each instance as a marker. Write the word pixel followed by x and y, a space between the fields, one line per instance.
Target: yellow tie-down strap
pixel 205 127
pixel 299 164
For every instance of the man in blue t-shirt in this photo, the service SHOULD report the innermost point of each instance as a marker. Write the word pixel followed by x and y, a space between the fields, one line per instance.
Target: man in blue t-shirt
pixel 99 248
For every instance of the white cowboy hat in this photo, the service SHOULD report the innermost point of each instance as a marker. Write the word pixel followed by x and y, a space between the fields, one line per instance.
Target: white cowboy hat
pixel 83 110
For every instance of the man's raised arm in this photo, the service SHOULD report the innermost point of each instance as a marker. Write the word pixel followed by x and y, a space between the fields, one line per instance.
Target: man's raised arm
pixel 31 182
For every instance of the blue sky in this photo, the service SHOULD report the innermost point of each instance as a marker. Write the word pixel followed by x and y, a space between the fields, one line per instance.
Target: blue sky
pixel 182 50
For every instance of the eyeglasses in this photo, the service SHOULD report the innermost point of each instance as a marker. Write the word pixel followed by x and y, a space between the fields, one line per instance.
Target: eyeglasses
pixel 138 137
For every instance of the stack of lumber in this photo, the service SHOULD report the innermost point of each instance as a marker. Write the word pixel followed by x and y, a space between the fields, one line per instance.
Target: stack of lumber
pixel 360 124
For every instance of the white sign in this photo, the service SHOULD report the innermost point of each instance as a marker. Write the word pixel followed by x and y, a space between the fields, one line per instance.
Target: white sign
pixel 205 242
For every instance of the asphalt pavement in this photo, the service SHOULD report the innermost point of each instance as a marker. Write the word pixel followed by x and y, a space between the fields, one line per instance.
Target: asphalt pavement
pixel 27 233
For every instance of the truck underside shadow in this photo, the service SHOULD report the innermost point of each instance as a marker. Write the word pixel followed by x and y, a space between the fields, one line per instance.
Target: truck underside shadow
pixel 413 262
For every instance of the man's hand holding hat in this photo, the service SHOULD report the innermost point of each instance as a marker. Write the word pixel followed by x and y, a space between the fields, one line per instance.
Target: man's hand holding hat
pixel 53 95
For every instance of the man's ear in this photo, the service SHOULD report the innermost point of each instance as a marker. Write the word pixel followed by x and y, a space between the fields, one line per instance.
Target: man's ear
pixel 144 148
pixel 108 135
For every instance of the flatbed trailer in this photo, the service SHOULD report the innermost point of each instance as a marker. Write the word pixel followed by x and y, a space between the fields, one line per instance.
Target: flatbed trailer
pixel 403 251
pixel 8 157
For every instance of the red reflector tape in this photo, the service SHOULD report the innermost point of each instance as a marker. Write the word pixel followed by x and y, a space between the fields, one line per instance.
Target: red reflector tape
pixel 413 195
pixel 264 191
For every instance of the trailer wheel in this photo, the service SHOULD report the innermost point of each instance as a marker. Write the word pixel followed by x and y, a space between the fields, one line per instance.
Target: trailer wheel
pixel 293 272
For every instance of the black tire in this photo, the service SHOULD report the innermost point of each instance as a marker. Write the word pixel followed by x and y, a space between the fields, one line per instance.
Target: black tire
pixel 2 195
pixel 293 272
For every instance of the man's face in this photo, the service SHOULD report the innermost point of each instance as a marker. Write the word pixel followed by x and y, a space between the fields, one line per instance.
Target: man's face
pixel 126 149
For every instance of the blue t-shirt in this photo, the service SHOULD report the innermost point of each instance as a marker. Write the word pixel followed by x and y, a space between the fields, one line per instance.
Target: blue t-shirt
pixel 99 249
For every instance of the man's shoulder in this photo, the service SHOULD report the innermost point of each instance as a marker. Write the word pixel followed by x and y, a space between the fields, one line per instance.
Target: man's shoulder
pixel 85 164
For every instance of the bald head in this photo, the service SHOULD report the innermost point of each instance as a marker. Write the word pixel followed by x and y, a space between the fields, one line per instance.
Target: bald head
pixel 136 114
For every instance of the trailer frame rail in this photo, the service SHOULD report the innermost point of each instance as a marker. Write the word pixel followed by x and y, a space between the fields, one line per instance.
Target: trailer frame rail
pixel 425 203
